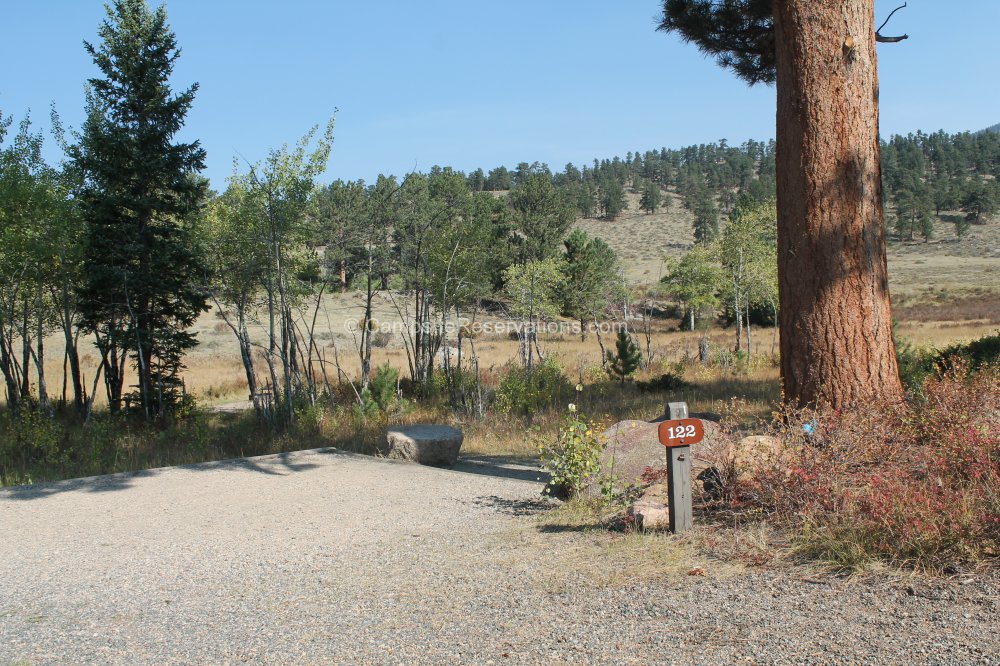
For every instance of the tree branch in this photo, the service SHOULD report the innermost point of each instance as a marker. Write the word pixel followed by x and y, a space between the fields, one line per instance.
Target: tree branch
pixel 889 40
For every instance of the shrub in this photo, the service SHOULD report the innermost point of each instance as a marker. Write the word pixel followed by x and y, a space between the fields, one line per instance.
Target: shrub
pixel 524 392
pixel 463 380
pixel 917 364
pixel 574 458
pixel 917 485
pixel 975 354
pixel 668 381
pixel 381 339
pixel 29 437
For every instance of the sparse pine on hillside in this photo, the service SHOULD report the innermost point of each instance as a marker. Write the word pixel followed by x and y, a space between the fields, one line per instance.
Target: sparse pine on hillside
pixel 613 200
pixel 651 197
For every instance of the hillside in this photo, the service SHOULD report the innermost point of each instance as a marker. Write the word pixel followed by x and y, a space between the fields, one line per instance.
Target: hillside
pixel 970 264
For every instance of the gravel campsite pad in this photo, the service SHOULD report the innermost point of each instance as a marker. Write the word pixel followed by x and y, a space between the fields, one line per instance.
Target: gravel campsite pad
pixel 324 557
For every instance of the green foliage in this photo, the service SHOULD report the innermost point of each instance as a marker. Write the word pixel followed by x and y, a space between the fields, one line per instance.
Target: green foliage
pixel 706 216
pixel 980 201
pixel 534 288
pixel 383 385
pixel 651 197
pixel 541 213
pixel 694 280
pixel 973 355
pixel 381 396
pixel 592 276
pixel 574 458
pixel 523 391
pixel 665 382
pixel 140 199
pixel 29 437
pixel 625 359
pixel 914 211
pixel 739 34
pixel 917 364
pixel 748 252
pixel 613 200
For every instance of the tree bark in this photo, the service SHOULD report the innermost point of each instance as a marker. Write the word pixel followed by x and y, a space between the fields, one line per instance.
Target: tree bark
pixel 836 321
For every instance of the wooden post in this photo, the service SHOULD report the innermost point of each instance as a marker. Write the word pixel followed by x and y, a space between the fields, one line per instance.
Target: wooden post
pixel 679 477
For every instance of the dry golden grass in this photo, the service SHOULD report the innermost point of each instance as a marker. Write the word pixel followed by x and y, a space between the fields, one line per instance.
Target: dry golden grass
pixel 215 375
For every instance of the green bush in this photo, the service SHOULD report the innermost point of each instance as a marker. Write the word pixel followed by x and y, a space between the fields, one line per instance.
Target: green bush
pixel 463 379
pixel 29 437
pixel 668 381
pixel 917 364
pixel 574 458
pixel 975 354
pixel 524 392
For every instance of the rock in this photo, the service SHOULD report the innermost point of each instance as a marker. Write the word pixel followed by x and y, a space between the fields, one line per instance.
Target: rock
pixel 755 452
pixel 632 446
pixel 652 510
pixel 436 445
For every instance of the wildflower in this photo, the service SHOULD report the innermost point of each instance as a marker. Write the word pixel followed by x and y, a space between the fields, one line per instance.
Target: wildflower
pixel 572 407
pixel 579 388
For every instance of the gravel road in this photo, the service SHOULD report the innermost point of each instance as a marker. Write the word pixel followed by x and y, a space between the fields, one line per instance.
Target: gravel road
pixel 325 557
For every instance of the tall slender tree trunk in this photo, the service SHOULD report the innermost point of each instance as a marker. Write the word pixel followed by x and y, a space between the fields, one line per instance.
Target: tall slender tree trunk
pixel 836 337
pixel 71 334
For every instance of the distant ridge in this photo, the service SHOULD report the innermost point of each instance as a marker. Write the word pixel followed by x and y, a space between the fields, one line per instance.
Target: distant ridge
pixel 994 128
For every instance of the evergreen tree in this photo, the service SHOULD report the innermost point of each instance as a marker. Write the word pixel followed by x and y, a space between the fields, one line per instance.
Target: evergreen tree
pixel 625 359
pixel 613 200
pixel 140 197
pixel 650 197
pixel 979 201
pixel 540 213
pixel 706 217
pixel 591 277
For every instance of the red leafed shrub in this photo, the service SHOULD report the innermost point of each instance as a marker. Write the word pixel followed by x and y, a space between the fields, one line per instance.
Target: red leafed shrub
pixel 916 484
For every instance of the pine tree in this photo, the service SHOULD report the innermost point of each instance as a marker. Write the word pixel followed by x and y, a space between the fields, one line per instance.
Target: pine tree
pixel 140 197
pixel 706 217
pixel 613 200
pixel 827 105
pixel 591 277
pixel 626 358
pixel 650 197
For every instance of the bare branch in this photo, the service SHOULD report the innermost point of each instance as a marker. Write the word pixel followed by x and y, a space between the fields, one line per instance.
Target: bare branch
pixel 889 40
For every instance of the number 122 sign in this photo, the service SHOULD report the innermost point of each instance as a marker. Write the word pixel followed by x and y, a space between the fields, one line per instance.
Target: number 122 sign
pixel 681 432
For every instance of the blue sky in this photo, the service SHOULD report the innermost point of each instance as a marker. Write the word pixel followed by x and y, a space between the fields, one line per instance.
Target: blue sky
pixel 468 83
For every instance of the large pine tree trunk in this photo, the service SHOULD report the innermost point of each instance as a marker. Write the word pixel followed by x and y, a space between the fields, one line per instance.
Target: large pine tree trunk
pixel 836 337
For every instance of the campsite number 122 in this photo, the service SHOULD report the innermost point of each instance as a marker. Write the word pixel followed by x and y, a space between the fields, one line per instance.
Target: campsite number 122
pixel 683 431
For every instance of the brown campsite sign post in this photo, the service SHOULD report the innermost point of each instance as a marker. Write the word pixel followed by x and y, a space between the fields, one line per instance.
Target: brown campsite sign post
pixel 678 434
